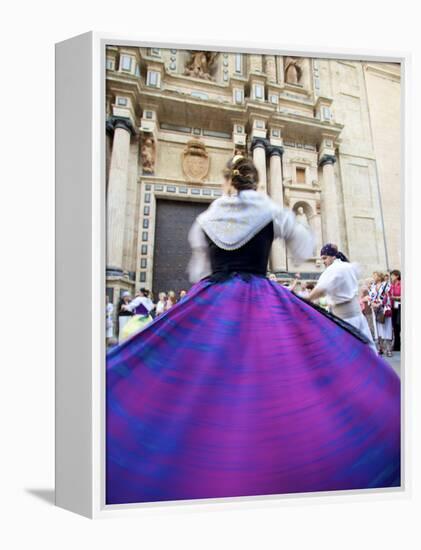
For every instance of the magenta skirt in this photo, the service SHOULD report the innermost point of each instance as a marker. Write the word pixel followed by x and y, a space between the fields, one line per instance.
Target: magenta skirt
pixel 243 389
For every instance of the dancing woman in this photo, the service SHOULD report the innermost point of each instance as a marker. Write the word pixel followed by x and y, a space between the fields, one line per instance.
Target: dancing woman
pixel 242 388
pixel 140 308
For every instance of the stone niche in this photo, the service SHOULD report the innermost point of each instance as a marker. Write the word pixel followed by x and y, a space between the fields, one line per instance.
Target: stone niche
pixel 307 211
pixel 302 194
pixel 297 73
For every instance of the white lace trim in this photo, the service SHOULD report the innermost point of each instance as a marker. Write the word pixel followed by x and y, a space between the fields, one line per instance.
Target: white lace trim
pixel 230 222
pixel 255 211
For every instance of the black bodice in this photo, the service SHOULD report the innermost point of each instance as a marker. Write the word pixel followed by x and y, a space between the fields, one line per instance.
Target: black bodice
pixel 250 258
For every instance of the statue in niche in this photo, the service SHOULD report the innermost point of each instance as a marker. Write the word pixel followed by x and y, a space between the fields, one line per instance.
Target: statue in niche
pixel 301 217
pixel 147 153
pixel 293 71
pixel 200 65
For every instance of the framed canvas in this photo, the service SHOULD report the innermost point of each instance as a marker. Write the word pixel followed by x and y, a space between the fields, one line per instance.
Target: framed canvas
pixel 229 250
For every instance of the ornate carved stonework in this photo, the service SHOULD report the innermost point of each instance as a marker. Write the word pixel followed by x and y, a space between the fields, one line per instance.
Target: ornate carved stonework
pixel 148 153
pixel 301 216
pixel 195 160
pixel 200 65
pixel 239 151
pixel 293 71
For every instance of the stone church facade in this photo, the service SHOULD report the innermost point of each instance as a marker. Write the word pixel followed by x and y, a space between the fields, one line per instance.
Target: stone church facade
pixel 324 135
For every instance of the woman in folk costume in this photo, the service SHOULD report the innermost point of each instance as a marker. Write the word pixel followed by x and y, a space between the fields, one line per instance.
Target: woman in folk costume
pixel 141 307
pixel 243 388
pixel 124 314
pixel 160 306
pixel 385 329
pixel 339 283
pixel 380 305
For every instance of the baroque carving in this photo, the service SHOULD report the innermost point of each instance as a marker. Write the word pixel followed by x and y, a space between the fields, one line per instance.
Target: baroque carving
pixel 301 216
pixel 195 160
pixel 293 71
pixel 239 150
pixel 200 65
pixel 148 154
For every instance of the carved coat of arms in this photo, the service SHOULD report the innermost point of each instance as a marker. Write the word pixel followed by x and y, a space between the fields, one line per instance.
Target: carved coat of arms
pixel 195 160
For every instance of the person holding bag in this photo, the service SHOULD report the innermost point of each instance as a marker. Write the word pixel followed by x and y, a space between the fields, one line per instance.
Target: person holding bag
pixel 382 312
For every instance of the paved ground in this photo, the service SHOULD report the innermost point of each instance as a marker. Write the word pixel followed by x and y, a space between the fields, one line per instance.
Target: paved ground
pixel 395 361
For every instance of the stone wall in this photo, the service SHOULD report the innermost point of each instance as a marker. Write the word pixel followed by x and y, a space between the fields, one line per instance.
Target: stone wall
pixel 325 134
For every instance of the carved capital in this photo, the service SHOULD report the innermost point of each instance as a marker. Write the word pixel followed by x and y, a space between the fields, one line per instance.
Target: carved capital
pixel 327 159
pixel 259 142
pixel 275 150
pixel 109 127
pixel 114 272
pixel 114 122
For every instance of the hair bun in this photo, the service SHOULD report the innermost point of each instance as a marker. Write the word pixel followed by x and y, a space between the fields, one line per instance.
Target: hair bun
pixel 242 172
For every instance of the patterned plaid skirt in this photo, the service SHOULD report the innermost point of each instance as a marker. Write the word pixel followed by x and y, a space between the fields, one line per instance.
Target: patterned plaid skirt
pixel 243 389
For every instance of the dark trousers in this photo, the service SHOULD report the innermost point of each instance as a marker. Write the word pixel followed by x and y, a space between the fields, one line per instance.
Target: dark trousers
pixel 396 323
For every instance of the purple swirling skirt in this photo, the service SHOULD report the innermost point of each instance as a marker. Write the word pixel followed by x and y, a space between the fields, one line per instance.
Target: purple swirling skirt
pixel 242 389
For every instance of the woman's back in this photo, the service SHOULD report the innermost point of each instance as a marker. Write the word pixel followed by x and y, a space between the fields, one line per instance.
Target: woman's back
pixel 250 258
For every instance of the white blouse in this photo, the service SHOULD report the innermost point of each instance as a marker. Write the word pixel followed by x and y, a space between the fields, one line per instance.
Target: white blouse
pixel 147 302
pixel 231 222
pixel 339 282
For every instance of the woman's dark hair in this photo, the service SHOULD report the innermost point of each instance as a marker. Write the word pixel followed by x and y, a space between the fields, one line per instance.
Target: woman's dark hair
pixel 397 273
pixel 243 173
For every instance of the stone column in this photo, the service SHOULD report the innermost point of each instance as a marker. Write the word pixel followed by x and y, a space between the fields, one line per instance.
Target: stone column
pixel 270 67
pixel 117 192
pixel 330 202
pixel 316 224
pixel 258 147
pixel 108 150
pixel 280 66
pixel 278 258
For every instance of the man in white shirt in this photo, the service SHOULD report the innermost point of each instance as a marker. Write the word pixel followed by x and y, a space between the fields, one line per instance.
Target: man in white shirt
pixel 339 282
